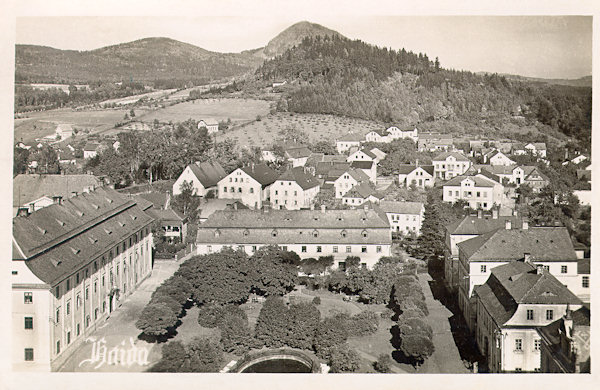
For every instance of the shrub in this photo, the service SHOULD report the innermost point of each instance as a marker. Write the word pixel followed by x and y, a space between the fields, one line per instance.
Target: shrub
pixel 316 301
pixel 414 326
pixel 202 356
pixel 362 324
pixel 156 320
pixel 383 364
pixel 272 323
pixel 235 331
pixel 352 262
pixel 175 306
pixel 303 322
pixel 414 303
pixel 417 347
pixel 343 359
pixel 209 315
pixel 330 332
pixel 173 358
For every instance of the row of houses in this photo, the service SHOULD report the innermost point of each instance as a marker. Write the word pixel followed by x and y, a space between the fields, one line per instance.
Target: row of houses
pixel 512 282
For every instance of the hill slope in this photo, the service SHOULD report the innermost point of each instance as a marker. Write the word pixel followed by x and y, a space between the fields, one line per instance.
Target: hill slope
pixel 293 35
pixel 143 60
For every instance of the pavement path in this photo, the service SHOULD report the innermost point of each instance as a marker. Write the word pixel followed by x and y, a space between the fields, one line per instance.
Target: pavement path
pixel 119 334
pixel 445 358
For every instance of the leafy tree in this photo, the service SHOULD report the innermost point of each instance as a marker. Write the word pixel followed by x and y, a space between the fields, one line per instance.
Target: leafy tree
pixel 330 333
pixel 156 320
pixel 352 262
pixel 272 323
pixel 430 244
pixel 325 147
pixel 383 363
pixel 209 315
pixel 20 161
pixel 303 322
pixel 343 359
pixel 362 324
pixel 187 202
pixel 235 331
pixel 167 300
pixel 417 347
pixel 132 113
pixel 202 355
pixel 271 273
pixel 173 358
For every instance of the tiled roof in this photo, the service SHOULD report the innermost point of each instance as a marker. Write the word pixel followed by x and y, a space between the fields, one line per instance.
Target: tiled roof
pixel 91 147
pixel 479 181
pixel 551 332
pixel 158 199
pixel 305 181
pixel 58 239
pixel 166 215
pixel 583 266
pixel 405 169
pixel 494 169
pixel 358 175
pixel 208 173
pixel 428 168
pixel 262 173
pixel 413 208
pixel 298 152
pixel 470 225
pixel 445 155
pixel 27 188
pixel 378 153
pixel 142 203
pixel 381 132
pixel 211 122
pixel 369 153
pixel 351 137
pixel 543 243
pixel 362 191
pixel 331 168
pixel 362 164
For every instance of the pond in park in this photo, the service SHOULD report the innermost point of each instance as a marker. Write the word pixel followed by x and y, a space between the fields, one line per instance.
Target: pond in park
pixel 278 365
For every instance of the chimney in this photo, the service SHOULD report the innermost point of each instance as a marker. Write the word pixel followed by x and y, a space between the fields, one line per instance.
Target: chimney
pixel 31 208
pixel 527 257
pixel 525 224
pixel 22 212
pixel 74 193
pixel 515 212
pixel 479 213
pixel 235 205
pixel 57 199
pixel 417 162
pixel 494 213
pixel 323 208
pixel 568 322
pixel 539 269
pixel 508 225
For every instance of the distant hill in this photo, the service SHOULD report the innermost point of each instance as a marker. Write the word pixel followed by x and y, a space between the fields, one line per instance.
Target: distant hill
pixel 580 82
pixel 143 60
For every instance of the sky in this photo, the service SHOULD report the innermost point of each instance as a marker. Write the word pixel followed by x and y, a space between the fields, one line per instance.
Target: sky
pixel 535 46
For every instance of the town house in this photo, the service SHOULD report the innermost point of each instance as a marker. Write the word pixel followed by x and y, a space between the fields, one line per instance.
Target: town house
pixel 403 217
pixel 203 176
pixel 349 142
pixel 249 184
pixel 450 164
pixel 478 191
pixel 348 179
pixel 294 190
pixel 421 176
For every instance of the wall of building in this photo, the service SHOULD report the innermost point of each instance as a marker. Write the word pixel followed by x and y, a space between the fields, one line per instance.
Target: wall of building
pixel 405 223
pixel 245 188
pixel 343 184
pixel 188 175
pixel 289 195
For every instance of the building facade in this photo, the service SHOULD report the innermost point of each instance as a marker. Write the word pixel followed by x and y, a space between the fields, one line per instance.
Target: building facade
pixel 449 165
pixel 248 184
pixel 404 217
pixel 204 177
pixel 294 190
pixel 73 263
pixel 478 191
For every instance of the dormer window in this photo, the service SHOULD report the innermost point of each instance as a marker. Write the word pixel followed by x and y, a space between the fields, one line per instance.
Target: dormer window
pixel 246 232
pixel 274 233
pixel 217 233
pixel 344 233
pixel 315 233
pixel 364 234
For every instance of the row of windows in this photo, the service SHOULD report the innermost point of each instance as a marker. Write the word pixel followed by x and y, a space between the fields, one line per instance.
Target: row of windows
pixel 232 190
pixel 397 218
pixel 519 344
pixel 286 193
pixel 304 248
pixel 314 233
pixel 549 314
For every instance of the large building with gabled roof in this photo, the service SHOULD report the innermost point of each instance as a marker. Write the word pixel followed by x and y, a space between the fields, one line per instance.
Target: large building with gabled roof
pixel 477 190
pixel 204 177
pixel 517 299
pixel 404 217
pixel 72 263
pixel 310 233
pixel 294 189
pixel 250 184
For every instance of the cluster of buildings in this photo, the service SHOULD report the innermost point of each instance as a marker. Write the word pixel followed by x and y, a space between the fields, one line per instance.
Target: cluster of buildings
pixel 516 285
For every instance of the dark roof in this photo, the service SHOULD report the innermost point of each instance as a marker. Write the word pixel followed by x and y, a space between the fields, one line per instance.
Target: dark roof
pixel 362 164
pixel 351 137
pixel 542 243
pixel 405 169
pixel 583 266
pixel 389 206
pixel 305 181
pixel 91 147
pixel 428 168
pixel 208 173
pixel 142 203
pixel 358 174
pixel 298 152
pixel 168 215
pixel 368 153
pixel 381 132
pixel 362 191
pixel 473 225
pixel 262 173
pixel 325 167
pixel 27 188
pixel 158 199
pixel 59 239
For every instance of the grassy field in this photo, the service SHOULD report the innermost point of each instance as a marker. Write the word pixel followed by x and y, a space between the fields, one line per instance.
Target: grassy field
pixel 43 123
pixel 220 109
pixel 318 128
pixel 132 99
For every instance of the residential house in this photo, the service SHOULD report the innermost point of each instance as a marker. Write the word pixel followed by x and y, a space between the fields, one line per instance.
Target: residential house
pixel 421 176
pixel 203 176
pixel 348 179
pixel 530 175
pixel 537 149
pixel 65 156
pixel 38 191
pixel 379 154
pixel 63 131
pixel 91 150
pixel 496 157
pixel 403 217
pixel 250 184
pixel 173 224
pixel 137 126
pixel 470 226
pixel 565 343
pixel 21 145
pixel 210 206
pixel 361 194
pixel 368 167
pixel 450 164
pixel 211 125
pixel 432 142
pixel 309 233
pixel 549 248
pixel 73 263
pixel 581 287
pixel 294 189
pixel 297 155
pixel 478 191
pixel 348 143
pixel 379 135
pixel 396 133
pixel 362 155
pixel 511 305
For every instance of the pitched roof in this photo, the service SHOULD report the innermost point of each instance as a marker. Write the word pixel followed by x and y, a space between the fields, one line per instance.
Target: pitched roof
pixel 378 153
pixel 358 174
pixel 91 147
pixel 543 243
pixel 210 121
pixel 443 156
pixel 305 181
pixel 362 191
pixel 59 239
pixel 362 164
pixel 552 331
pixel 351 137
pixel 27 188
pixel 331 168
pixel 368 153
pixel 583 266
pixel 405 169
pixel 479 181
pixel 262 173
pixel 168 215
pixel 209 173
pixel 494 169
pixel 298 152
pixel 470 225
pixel 158 199
pixel 381 132
pixel 389 206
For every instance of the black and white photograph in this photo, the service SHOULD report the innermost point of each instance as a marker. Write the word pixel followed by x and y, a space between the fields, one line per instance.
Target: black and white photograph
pixel 258 187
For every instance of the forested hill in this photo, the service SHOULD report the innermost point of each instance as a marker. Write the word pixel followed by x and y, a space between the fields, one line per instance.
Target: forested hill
pixel 144 60
pixel 335 75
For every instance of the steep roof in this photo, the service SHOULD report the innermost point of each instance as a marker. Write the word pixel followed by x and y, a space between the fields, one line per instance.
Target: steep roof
pixel 331 168
pixel 209 173
pixel 479 181
pixel 305 181
pixel 362 191
pixel 552 331
pixel 381 132
pixel 168 215
pixel 91 147
pixel 210 122
pixel 494 169
pixel 378 153
pixel 298 152
pixel 358 175
pixel 262 173
pixel 543 243
pixel 158 199
pixel 583 266
pixel 368 153
pixel 389 206
pixel 405 169
pixel 27 188
pixel 351 137
pixel 362 164
pixel 443 156
pixel 470 225
pixel 58 239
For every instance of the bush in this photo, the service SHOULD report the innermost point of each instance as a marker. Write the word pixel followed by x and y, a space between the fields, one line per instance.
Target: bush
pixel 202 355
pixel 156 320
pixel 414 326
pixel 303 322
pixel 209 315
pixel 414 303
pixel 330 332
pixel 383 364
pixel 352 262
pixel 316 301
pixel 272 323
pixel 235 331
pixel 417 347
pixel 343 359
pixel 173 358
pixel 362 324
pixel 175 306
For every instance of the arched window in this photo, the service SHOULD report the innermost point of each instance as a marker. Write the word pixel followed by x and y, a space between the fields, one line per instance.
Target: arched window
pixel 217 233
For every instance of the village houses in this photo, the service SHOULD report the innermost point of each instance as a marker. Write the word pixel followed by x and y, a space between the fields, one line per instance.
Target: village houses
pixel 294 190
pixel 348 179
pixel 204 177
pixel 348 143
pixel 211 125
pixel 249 184
pixel 450 164
pixel 478 191
pixel 404 217
pixel 420 176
